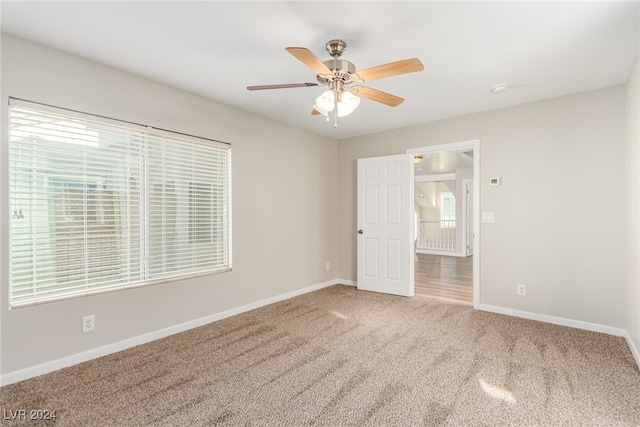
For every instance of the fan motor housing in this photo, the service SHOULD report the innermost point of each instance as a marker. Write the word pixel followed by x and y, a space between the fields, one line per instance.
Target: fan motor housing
pixel 342 70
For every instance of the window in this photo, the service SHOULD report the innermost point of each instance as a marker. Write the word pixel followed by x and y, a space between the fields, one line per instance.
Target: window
pixel 200 199
pixel 447 210
pixel 97 204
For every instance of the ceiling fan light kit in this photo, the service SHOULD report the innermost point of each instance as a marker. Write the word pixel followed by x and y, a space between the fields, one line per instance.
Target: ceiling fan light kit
pixel 326 103
pixel 336 98
pixel 339 74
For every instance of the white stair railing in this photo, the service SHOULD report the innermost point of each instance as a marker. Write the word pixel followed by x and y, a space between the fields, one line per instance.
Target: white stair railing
pixel 436 234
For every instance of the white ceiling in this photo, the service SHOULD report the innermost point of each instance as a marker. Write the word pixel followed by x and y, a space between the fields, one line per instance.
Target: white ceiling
pixel 439 163
pixel 444 162
pixel 216 49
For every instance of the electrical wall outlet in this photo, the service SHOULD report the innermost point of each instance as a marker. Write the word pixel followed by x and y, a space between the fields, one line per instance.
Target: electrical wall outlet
pixel 88 323
pixel 521 289
pixel 487 217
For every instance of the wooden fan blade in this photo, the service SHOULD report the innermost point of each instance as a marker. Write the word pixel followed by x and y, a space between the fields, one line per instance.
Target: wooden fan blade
pixel 282 86
pixel 307 57
pixel 315 112
pixel 377 95
pixel 391 69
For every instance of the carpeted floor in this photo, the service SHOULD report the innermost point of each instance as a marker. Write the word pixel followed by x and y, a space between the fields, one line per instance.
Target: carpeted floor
pixel 342 357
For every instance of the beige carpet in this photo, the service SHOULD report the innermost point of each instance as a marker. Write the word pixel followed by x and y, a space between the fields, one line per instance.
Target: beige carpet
pixel 340 356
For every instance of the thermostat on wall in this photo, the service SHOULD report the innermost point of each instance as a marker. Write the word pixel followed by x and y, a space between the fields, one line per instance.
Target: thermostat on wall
pixel 495 181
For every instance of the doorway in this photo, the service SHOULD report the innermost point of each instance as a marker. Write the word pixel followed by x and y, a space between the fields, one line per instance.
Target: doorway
pixel 447 272
pixel 444 278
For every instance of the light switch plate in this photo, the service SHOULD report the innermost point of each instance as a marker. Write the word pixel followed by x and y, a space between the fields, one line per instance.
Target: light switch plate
pixel 487 216
pixel 496 180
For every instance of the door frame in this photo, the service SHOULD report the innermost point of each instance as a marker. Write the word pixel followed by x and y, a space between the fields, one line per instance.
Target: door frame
pixel 465 216
pixel 473 144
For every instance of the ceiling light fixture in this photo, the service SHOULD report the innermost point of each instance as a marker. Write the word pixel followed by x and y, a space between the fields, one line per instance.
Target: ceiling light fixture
pixel 499 88
pixel 417 159
pixel 336 98
pixel 346 103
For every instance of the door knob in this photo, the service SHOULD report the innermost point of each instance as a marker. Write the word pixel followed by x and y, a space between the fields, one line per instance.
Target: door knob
pixel 360 231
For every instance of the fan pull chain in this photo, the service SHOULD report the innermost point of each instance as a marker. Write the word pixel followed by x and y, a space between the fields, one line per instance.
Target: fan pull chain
pixel 335 109
pixel 336 90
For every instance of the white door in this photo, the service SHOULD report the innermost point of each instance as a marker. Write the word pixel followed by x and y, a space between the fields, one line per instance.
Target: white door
pixel 468 220
pixel 385 224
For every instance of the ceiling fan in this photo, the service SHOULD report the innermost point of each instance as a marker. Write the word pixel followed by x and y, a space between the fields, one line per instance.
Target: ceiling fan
pixel 338 75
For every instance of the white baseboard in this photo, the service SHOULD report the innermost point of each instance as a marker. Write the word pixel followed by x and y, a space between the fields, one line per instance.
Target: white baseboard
pixel 594 327
pixel 440 252
pixel 348 282
pixel 45 368
pixel 634 349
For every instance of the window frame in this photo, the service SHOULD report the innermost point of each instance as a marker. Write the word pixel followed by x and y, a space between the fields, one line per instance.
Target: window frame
pixel 221 182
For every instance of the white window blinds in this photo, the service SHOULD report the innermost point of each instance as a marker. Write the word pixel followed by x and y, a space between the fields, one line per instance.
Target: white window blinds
pixel 97 204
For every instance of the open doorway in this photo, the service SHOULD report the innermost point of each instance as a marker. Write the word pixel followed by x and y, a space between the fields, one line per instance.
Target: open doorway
pixel 446 193
pixel 445 278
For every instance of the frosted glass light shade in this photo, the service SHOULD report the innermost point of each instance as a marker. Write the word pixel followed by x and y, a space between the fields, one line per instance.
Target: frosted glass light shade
pixel 325 102
pixel 348 103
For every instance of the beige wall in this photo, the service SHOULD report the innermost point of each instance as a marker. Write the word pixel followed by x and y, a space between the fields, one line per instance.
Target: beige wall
pixel 284 208
pixel 633 209
pixel 559 213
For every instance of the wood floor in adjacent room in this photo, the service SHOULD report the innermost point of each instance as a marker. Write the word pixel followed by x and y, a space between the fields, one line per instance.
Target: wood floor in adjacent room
pixel 445 278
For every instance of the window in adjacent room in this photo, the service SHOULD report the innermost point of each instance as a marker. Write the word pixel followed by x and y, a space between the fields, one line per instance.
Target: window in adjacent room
pixel 447 210
pixel 98 204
